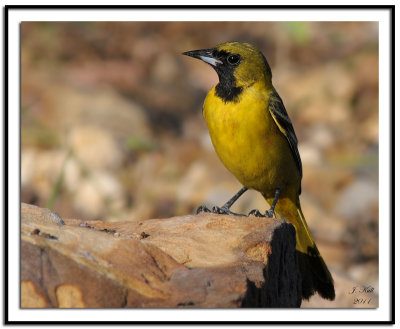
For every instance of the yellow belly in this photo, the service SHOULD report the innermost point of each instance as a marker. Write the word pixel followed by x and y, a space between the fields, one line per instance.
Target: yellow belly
pixel 249 143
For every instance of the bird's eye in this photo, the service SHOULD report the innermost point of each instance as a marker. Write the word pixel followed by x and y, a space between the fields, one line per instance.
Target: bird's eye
pixel 233 59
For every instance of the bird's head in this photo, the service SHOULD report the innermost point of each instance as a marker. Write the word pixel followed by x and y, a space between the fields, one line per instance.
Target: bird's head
pixel 237 64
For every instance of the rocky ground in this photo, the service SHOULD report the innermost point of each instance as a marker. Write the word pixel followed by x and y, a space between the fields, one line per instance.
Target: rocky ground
pixel 111 127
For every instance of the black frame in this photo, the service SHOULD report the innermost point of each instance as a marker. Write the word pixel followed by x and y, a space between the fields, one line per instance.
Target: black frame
pixel 8 8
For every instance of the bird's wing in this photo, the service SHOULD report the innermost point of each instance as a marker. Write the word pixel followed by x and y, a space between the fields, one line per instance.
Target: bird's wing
pixel 281 118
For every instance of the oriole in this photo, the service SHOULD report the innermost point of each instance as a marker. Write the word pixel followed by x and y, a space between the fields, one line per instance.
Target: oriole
pixel 255 140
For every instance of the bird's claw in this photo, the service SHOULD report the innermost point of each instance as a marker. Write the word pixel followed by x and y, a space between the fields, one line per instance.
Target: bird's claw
pixel 224 211
pixel 216 210
pixel 202 209
pixel 256 212
pixel 220 210
pixel 269 213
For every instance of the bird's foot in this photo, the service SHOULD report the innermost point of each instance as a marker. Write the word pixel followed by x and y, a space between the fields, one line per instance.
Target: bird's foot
pixel 217 210
pixel 202 209
pixel 269 213
pixel 256 212
pixel 224 211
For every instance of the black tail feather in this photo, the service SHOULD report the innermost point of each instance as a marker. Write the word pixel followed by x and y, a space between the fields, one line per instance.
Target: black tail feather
pixel 315 275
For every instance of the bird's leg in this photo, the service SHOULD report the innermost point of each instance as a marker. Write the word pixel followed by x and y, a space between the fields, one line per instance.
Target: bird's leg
pixel 225 208
pixel 232 200
pixel 268 213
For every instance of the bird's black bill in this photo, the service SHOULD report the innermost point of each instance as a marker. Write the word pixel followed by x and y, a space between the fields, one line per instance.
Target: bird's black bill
pixel 199 52
pixel 206 55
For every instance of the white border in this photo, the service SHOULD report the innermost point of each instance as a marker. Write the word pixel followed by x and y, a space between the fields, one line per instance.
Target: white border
pixel 380 314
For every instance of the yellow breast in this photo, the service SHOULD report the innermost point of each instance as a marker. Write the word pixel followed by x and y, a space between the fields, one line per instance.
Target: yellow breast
pixel 246 138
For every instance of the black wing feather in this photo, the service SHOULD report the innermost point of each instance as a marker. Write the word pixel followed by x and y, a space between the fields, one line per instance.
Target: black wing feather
pixel 281 118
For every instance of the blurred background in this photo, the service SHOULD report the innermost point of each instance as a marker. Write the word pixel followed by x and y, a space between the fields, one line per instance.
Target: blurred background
pixel 112 127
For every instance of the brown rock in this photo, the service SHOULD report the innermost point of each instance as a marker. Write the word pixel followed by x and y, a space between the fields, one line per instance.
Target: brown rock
pixel 95 147
pixel 202 261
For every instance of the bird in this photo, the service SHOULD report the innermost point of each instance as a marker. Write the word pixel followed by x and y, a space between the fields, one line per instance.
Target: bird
pixel 254 138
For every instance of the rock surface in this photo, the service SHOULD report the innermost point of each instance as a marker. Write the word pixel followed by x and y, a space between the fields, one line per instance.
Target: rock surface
pixel 196 261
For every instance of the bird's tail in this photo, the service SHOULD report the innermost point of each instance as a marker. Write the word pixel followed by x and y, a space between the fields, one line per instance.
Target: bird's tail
pixel 315 274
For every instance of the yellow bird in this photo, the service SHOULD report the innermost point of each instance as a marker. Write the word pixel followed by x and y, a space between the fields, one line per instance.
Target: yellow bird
pixel 255 140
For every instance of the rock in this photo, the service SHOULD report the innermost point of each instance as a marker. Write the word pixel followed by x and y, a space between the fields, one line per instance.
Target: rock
pixel 165 68
pixel 32 214
pixel 320 136
pixel 334 178
pixel 86 174
pixel 310 155
pixel 194 184
pixel 95 147
pixel 28 159
pixel 41 169
pixel 356 198
pixel 358 204
pixel 97 193
pixel 103 108
pixel 202 261
pixel 153 184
